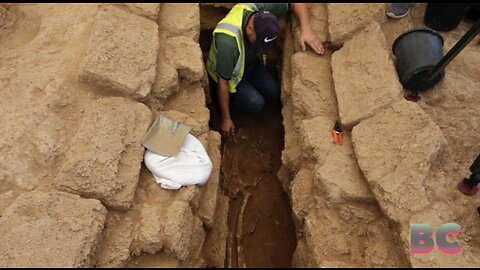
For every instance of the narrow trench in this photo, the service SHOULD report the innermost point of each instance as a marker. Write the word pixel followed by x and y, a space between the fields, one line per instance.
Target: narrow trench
pixel 261 228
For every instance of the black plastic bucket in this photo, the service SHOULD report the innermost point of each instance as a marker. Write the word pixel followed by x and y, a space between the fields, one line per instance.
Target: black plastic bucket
pixel 473 13
pixel 417 52
pixel 445 16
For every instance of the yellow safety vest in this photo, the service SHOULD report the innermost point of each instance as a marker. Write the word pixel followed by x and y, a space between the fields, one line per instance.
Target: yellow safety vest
pixel 232 26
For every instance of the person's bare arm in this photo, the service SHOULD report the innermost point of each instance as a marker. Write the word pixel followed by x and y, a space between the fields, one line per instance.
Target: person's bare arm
pixel 307 35
pixel 227 127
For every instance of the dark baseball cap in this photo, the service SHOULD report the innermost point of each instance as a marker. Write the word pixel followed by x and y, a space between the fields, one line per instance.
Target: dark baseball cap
pixel 266 29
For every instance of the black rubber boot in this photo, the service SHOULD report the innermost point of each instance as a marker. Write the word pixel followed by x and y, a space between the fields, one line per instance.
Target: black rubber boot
pixel 469 186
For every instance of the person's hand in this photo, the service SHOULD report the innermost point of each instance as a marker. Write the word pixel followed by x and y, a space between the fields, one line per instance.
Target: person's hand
pixel 228 128
pixel 308 36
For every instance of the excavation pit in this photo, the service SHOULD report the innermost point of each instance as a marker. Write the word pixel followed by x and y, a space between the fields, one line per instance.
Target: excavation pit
pixel 261 228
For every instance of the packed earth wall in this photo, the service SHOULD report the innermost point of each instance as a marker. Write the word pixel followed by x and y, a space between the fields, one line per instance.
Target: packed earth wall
pixel 79 88
pixel 354 203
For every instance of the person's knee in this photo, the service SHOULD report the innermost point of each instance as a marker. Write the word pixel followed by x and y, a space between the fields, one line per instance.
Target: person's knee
pixel 255 104
pixel 272 90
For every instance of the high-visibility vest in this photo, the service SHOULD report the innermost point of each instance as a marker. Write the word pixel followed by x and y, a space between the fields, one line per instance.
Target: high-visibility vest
pixel 232 26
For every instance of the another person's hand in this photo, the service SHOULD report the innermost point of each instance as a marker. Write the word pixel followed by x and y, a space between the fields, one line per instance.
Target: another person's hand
pixel 228 128
pixel 308 36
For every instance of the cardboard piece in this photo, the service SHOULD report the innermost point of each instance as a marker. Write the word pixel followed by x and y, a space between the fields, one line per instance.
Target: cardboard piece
pixel 165 136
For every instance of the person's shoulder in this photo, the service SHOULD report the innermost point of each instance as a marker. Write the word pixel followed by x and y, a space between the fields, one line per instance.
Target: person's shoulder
pixel 224 41
pixel 224 38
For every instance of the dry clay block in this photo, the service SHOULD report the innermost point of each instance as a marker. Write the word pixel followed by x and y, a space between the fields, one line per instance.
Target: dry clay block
pixel 166 83
pixel 122 53
pixel 183 234
pixel 215 242
pixel 186 56
pixel 114 249
pixel 346 18
pixel 190 100
pixel 316 139
pixel 312 88
pixel 106 153
pixel 149 11
pixel 50 229
pixel 211 190
pixel 364 76
pixel 394 150
pixel 170 227
pixel 302 196
pixel 336 171
pixel 7 18
pixel 341 177
pixel 320 229
pixel 180 19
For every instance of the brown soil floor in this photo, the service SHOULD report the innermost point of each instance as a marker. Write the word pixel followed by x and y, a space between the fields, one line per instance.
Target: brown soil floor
pixel 249 177
pixel 266 237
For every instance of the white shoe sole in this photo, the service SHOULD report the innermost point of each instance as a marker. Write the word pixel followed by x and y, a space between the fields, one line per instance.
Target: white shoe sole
pixel 393 16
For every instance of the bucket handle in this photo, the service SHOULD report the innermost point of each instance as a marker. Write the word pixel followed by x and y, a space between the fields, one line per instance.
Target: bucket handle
pixel 462 43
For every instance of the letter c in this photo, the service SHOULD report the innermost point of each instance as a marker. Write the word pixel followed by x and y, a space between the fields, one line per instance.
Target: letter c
pixel 443 232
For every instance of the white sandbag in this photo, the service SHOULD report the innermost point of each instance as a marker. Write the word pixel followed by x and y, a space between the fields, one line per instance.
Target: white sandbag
pixel 191 166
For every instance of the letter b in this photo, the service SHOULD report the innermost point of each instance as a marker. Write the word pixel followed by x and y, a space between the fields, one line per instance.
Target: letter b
pixel 421 240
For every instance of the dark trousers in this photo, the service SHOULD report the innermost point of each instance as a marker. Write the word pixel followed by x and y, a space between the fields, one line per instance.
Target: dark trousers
pixel 253 91
pixel 475 176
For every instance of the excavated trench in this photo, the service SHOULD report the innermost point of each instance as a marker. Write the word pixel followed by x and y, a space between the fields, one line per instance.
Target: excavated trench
pixel 262 232
pixel 261 228
pixel 264 229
